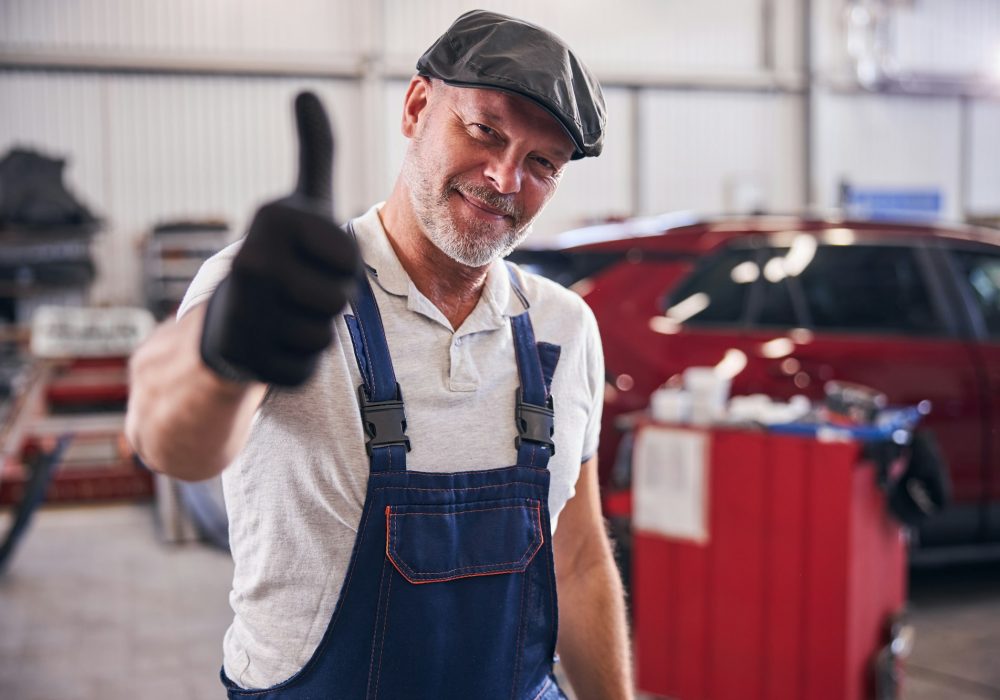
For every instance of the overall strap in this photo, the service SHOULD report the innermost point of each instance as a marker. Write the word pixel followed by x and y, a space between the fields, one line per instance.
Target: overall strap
pixel 533 411
pixel 379 396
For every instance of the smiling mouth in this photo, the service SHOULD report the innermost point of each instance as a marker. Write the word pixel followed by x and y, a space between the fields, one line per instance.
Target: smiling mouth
pixel 482 206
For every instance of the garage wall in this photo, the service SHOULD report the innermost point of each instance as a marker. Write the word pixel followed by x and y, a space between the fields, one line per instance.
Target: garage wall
pixel 944 36
pixel 639 37
pixel 717 152
pixel 314 32
pixel 182 109
pixel 146 149
pixel 982 197
pixel 889 142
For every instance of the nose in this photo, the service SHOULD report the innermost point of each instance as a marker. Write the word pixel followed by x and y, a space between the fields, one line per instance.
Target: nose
pixel 504 171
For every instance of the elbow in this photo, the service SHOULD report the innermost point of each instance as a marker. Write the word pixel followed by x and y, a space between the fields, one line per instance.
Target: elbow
pixel 164 450
pixel 160 456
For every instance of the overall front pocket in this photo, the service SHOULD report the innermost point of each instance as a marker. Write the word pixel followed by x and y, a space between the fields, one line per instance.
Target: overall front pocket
pixel 431 544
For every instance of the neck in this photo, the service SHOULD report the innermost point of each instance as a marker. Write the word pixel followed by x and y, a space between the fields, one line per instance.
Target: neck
pixel 452 287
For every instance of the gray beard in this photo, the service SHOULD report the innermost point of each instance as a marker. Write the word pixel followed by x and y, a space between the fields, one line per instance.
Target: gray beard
pixel 473 248
pixel 478 245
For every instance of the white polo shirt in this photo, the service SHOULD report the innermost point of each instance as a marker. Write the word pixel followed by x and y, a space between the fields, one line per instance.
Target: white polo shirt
pixel 295 493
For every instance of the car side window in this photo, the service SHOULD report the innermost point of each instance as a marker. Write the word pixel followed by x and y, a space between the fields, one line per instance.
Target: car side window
pixel 981 274
pixel 717 291
pixel 775 303
pixel 867 289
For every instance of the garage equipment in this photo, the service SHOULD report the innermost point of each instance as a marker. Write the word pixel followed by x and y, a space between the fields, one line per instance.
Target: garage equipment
pixel 62 413
pixel 171 257
pixel 763 566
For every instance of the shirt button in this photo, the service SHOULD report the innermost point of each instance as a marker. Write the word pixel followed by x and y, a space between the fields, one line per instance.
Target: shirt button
pixel 458 341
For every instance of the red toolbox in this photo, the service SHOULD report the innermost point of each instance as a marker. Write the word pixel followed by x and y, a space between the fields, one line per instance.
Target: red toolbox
pixel 778 576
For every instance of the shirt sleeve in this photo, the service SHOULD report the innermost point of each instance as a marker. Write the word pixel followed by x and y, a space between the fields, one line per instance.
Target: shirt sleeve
pixel 211 272
pixel 595 379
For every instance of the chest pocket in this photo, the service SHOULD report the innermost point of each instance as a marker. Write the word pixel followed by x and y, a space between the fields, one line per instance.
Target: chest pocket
pixel 435 543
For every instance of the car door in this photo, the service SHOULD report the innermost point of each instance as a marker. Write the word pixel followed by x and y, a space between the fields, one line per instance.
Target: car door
pixel 977 273
pixel 871 313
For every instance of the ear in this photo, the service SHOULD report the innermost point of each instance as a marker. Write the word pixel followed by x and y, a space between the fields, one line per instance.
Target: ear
pixel 416 101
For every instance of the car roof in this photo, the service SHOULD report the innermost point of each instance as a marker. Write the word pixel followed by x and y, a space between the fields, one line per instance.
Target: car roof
pixel 682 233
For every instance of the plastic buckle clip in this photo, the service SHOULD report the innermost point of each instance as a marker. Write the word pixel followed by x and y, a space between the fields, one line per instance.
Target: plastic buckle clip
pixel 384 421
pixel 534 423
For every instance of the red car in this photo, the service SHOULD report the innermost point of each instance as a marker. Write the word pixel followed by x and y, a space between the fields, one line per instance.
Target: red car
pixel 911 310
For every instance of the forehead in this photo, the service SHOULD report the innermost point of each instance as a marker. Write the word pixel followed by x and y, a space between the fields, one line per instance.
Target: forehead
pixel 511 113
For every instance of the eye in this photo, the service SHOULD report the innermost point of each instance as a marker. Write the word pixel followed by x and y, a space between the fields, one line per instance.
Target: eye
pixel 545 163
pixel 488 131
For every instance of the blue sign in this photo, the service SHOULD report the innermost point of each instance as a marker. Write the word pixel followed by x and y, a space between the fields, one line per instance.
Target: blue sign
pixel 893 204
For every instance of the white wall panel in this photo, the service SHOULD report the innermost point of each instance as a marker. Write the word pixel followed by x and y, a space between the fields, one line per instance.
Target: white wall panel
pixel 983 196
pixel 880 141
pixel 639 37
pixel 704 151
pixel 257 29
pixel 787 35
pixel 947 36
pixel 829 37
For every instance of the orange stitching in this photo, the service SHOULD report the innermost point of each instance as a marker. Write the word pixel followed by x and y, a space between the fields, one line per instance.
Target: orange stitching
pixel 527 558
pixel 539 537
pixel 388 515
pixel 461 576
pixel 532 503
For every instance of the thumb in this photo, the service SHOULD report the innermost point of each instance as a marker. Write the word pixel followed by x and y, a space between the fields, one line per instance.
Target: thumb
pixel 315 182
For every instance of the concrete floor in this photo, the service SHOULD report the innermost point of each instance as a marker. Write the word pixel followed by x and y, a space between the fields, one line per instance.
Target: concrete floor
pixel 91 608
pixel 956 611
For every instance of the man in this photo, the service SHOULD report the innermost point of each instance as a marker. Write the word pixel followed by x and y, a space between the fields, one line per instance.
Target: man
pixel 384 546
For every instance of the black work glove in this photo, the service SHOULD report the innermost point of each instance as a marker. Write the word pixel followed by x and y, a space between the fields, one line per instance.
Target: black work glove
pixel 272 316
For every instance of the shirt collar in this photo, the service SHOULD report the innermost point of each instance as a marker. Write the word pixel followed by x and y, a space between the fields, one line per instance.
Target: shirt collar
pixel 498 301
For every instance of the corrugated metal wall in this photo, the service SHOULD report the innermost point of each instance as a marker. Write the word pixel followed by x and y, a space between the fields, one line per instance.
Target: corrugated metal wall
pixel 892 142
pixel 947 36
pixel 982 197
pixel 182 109
pixel 648 37
pixel 713 151
pixel 316 31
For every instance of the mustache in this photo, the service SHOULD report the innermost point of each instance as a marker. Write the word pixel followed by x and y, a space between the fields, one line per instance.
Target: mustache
pixel 500 202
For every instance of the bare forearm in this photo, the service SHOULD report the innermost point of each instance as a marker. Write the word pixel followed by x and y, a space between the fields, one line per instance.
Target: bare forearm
pixel 593 633
pixel 182 419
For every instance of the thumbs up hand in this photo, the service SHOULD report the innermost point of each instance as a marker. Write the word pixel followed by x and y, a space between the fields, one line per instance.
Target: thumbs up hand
pixel 272 316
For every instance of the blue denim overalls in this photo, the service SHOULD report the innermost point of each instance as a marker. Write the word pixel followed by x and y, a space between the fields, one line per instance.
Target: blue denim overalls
pixel 450 592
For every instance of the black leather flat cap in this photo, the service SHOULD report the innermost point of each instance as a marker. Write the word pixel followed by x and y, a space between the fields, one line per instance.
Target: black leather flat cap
pixel 489 50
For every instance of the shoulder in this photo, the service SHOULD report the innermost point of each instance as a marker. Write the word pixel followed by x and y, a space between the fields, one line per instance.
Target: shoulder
pixel 554 307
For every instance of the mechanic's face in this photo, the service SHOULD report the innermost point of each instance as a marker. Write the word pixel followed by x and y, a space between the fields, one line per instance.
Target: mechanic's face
pixel 480 166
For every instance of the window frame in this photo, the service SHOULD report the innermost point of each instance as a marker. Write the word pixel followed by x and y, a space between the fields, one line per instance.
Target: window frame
pixel 974 324
pixel 764 247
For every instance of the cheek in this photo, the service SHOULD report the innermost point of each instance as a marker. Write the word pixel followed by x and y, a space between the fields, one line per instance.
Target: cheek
pixel 540 194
